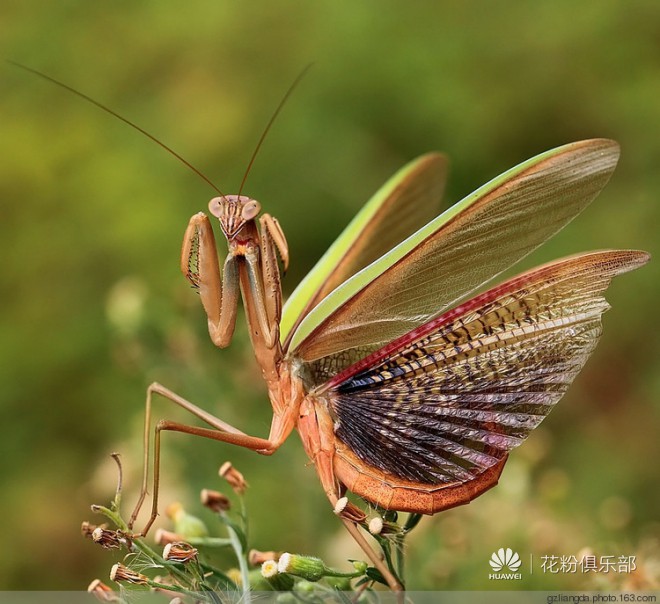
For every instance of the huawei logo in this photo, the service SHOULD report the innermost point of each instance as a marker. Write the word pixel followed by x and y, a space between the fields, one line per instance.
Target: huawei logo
pixel 507 560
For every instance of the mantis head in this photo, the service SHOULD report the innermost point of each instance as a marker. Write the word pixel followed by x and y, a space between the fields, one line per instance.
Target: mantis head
pixel 234 212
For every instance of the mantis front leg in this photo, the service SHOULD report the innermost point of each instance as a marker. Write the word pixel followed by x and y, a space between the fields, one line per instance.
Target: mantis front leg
pixel 199 263
pixel 262 289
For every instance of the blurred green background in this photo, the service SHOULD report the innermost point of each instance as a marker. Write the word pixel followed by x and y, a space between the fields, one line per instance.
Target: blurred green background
pixel 92 214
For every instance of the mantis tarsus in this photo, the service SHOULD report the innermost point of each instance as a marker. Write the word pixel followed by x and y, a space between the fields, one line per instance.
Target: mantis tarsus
pixel 405 390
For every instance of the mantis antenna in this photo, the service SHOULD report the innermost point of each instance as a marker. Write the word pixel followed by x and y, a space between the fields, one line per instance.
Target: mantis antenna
pixel 285 98
pixel 89 99
pixel 167 148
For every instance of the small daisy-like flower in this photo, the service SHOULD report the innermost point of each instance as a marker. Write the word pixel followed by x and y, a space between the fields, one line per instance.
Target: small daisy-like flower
pixel 269 569
pixel 277 580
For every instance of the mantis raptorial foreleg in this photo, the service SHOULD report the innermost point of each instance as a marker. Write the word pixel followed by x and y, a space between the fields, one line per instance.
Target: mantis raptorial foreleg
pixel 256 301
pixel 271 226
pixel 262 289
pixel 269 268
pixel 281 427
pixel 219 296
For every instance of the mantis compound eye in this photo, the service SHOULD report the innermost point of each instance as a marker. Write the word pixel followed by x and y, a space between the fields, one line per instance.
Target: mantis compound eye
pixel 217 206
pixel 250 210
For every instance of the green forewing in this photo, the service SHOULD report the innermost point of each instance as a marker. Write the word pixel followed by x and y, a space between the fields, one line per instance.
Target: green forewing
pixel 455 253
pixel 407 201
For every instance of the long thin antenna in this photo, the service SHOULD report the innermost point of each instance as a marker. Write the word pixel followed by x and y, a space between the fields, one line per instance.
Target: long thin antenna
pixel 285 98
pixel 123 119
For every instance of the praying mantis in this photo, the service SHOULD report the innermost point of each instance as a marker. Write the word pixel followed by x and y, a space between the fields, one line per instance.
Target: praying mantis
pixel 403 391
pixel 406 388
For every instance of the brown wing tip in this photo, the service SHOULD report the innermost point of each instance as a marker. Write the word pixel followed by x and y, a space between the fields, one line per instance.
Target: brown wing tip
pixel 629 260
pixel 601 143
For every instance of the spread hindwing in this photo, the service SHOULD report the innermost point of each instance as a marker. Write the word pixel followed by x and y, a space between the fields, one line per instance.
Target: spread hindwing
pixel 449 400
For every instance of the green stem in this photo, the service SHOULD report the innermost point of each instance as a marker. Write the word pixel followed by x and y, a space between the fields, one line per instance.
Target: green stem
pixel 209 541
pixel 242 560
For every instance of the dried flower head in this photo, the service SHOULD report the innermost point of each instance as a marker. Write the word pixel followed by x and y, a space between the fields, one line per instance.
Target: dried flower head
pixel 122 574
pixel 87 528
pixel 376 525
pixel 215 500
pixel 348 511
pixel 163 537
pixel 102 592
pixel 108 539
pixel 233 477
pixel 179 551
pixel 256 557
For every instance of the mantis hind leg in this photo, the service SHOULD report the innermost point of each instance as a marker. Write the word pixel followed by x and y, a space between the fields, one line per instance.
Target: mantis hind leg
pixel 220 430
pixel 316 431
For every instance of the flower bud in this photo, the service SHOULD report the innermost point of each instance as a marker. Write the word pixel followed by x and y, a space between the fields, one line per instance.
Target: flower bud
pixel 378 526
pixel 186 525
pixel 360 566
pixel 233 477
pixel 306 567
pixel 120 573
pixel 304 587
pixel 235 576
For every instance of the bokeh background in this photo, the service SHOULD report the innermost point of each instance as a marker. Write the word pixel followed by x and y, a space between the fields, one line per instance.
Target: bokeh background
pixel 92 214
